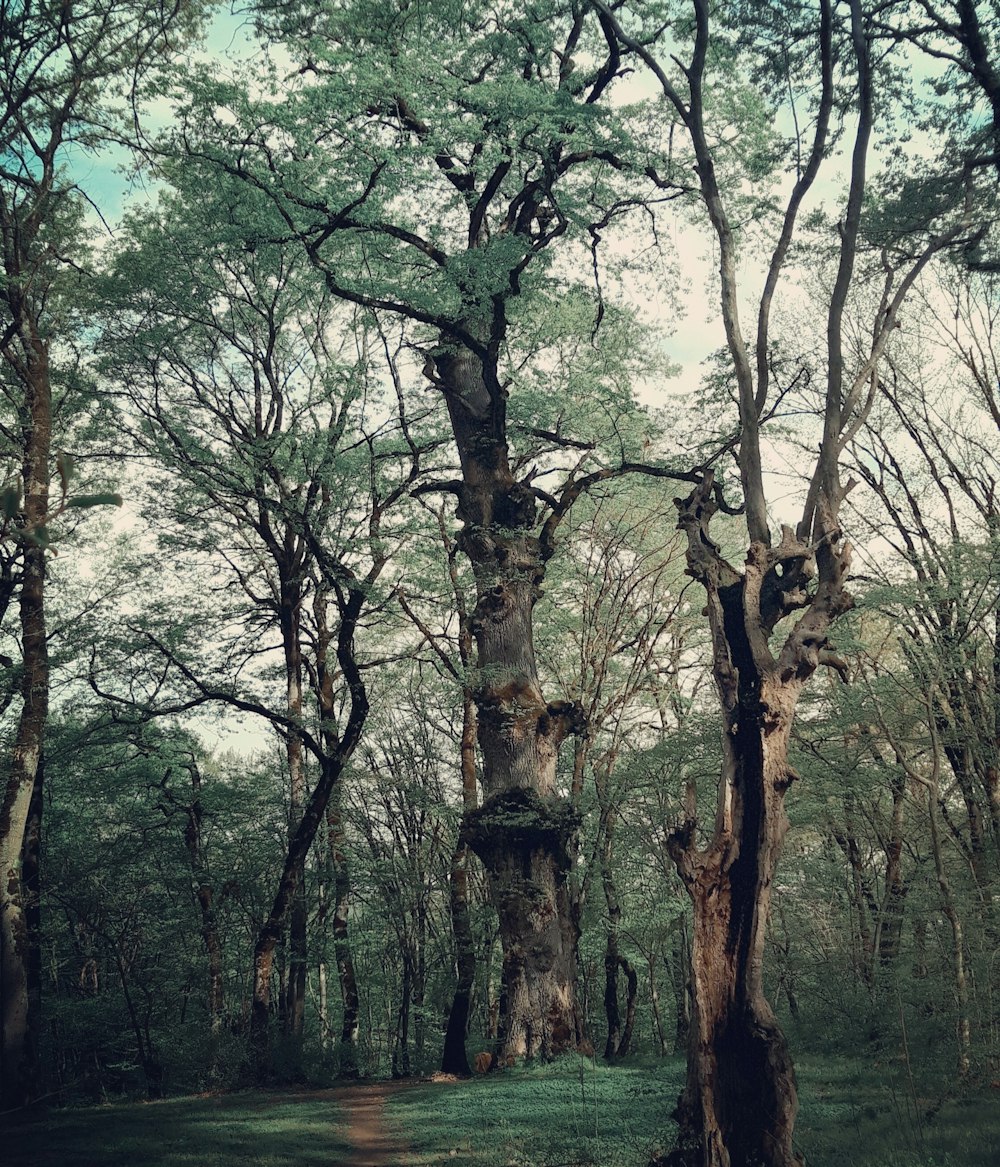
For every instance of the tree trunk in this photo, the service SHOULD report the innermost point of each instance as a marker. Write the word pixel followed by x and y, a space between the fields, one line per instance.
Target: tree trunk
pixel 524 832
pixel 631 1000
pixel 32 891
pixel 295 989
pixel 739 1105
pixel 680 978
pixel 205 895
pixel 521 839
pixel 612 1013
pixel 18 1042
pixel 401 1042
pixel 337 751
pixel 454 1057
pixel 347 1049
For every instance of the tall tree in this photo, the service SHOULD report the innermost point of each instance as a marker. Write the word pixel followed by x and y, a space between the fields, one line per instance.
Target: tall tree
pixel 62 67
pixel 817 69
pixel 427 158
pixel 254 389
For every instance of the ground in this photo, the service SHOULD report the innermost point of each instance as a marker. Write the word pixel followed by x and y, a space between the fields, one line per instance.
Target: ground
pixel 573 1113
pixel 363 1108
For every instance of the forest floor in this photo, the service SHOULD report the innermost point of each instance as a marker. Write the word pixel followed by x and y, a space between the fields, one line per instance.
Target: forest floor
pixel 574 1113
pixel 365 1131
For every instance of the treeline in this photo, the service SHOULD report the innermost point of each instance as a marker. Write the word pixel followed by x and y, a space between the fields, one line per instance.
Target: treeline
pixel 546 680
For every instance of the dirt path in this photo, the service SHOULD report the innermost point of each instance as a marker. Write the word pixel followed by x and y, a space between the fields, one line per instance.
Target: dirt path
pixel 362 1107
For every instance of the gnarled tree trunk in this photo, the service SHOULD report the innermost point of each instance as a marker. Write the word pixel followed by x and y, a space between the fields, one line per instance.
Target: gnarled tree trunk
pixel 739 1104
pixel 524 831
pixel 739 1067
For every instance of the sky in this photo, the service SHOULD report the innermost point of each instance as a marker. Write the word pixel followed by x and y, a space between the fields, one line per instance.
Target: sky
pixel 689 337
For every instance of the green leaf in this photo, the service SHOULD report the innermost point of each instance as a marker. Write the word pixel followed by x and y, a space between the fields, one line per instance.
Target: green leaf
pixel 39 536
pixel 95 500
pixel 64 464
pixel 10 501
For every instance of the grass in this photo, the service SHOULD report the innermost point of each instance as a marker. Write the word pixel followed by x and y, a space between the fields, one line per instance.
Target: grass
pixel 575 1115
pixel 238 1130
pixel 570 1114
pixel 855 1115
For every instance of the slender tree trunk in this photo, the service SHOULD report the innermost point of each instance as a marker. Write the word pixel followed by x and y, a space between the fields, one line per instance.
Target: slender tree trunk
pixel 347 1049
pixel 890 925
pixel 613 959
pixel 19 1043
pixel 654 1003
pixel 295 989
pixel 454 1057
pixel 401 1044
pixel 32 889
pixel 962 1024
pixel 337 751
pixel 612 1014
pixel 680 978
pixel 205 895
pixel 270 932
pixel 524 831
pixel 324 1009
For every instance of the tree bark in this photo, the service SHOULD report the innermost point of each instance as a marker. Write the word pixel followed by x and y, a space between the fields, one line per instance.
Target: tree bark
pixel 205 895
pixel 739 1067
pixel 347 1049
pixel 739 1103
pixel 523 833
pixel 295 989
pixel 680 977
pixel 454 1057
pixel 19 1042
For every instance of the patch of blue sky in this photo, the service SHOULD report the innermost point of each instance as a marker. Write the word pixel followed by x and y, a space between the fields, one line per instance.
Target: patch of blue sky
pixel 108 176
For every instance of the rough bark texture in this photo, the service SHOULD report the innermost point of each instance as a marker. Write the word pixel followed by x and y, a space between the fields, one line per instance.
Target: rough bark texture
pixel 739 1066
pixel 523 832
pixel 739 1104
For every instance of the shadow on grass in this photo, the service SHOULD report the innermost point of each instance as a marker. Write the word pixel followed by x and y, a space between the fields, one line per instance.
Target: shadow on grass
pixel 853 1114
pixel 243 1130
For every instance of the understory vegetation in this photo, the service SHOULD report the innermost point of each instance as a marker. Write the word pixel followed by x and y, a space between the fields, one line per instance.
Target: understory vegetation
pixel 575 1113
pixel 500 576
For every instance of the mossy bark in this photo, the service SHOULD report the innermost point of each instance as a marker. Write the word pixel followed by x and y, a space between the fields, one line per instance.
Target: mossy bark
pixel 523 832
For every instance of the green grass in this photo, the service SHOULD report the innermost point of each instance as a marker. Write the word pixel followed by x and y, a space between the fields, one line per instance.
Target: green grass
pixel 238 1130
pixel 570 1114
pixel 855 1115
pixel 574 1114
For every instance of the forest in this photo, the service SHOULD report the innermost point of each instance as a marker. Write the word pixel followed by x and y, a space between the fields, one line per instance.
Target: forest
pixel 500 570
